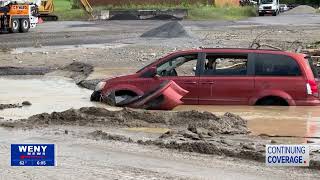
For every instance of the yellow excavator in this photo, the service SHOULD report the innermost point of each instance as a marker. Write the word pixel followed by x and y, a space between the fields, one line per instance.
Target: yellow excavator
pixel 46 9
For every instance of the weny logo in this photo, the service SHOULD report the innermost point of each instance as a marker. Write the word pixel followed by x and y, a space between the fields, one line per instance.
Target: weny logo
pixel 32 155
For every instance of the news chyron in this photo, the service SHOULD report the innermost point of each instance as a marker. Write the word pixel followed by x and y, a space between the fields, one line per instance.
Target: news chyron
pixel 32 155
pixel 287 155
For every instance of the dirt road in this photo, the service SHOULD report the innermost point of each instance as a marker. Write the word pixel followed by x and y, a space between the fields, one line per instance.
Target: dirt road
pixel 80 32
pixel 79 157
pixel 101 44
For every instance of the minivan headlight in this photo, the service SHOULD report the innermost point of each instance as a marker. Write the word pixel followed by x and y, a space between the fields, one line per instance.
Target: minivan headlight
pixel 100 86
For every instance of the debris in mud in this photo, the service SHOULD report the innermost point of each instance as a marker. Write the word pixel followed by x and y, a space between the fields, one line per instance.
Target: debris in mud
pixel 8 70
pixel 166 96
pixel 26 103
pixel 9 106
pixel 89 84
pixel 93 116
pixel 169 30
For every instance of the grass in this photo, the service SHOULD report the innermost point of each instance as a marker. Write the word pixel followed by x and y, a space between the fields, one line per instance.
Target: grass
pixel 196 12
pixel 221 13
pixel 64 12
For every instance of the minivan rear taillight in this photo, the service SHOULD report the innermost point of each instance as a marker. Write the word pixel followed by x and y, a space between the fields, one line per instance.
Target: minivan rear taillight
pixel 312 88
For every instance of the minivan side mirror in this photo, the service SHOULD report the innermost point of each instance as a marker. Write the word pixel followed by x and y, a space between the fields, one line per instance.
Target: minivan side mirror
pixel 152 72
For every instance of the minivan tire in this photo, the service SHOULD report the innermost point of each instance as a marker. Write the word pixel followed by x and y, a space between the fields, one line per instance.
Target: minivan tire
pixel 272 101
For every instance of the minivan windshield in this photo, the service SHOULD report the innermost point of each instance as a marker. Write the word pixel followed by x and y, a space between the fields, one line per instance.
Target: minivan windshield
pixel 266 1
pixel 313 67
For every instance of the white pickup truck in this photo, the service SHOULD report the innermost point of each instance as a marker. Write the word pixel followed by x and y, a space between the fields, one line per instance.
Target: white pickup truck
pixel 268 7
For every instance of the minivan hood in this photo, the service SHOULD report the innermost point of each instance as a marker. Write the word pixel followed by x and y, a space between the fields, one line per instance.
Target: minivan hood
pixel 122 77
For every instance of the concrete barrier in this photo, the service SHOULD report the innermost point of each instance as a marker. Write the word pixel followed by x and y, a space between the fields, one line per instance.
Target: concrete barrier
pixel 143 14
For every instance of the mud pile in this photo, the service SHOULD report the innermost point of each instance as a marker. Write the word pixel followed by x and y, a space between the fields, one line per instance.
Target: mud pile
pixel 216 146
pixel 89 84
pixel 8 71
pixel 302 9
pixel 92 116
pixel 79 71
pixel 9 106
pixel 169 30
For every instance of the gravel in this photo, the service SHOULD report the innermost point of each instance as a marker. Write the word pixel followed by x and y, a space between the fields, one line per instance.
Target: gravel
pixel 302 9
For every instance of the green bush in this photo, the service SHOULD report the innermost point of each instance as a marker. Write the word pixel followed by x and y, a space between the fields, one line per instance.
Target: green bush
pixel 228 13
pixel 64 9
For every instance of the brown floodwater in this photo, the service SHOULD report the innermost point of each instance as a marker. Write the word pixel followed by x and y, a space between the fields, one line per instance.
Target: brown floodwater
pixel 301 122
pixel 46 93
pixel 49 94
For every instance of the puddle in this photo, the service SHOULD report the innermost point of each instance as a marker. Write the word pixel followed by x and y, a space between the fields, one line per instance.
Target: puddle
pixel 47 94
pixel 282 121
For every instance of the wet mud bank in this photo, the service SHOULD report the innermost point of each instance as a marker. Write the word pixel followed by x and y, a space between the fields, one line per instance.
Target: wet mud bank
pixel 94 116
pixel 190 131
pixel 9 106
pixel 17 105
pixel 89 84
pixel 9 71
pixel 77 71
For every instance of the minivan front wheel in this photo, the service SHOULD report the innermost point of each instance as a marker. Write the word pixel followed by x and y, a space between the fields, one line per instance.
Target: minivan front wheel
pixel 272 101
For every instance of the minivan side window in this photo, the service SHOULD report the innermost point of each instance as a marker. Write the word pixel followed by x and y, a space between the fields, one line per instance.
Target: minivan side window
pixel 313 67
pixel 276 65
pixel 225 65
pixel 179 66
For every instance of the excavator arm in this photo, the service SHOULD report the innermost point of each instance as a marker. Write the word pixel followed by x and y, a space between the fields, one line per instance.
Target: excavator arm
pixel 46 9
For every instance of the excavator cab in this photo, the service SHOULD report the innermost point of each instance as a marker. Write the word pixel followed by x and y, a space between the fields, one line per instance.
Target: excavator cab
pixel 46 10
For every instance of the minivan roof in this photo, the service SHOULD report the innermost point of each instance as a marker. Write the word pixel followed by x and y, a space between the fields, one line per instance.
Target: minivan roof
pixel 240 50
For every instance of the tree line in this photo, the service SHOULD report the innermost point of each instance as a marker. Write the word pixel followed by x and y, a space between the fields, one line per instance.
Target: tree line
pixel 315 3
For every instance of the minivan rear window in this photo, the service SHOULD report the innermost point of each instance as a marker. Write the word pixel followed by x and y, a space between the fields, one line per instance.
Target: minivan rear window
pixel 276 65
pixel 313 67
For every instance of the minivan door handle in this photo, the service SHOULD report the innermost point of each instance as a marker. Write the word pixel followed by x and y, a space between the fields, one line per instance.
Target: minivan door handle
pixel 207 82
pixel 190 82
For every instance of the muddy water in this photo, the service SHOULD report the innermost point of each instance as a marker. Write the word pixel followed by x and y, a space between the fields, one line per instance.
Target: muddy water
pixel 282 121
pixel 47 94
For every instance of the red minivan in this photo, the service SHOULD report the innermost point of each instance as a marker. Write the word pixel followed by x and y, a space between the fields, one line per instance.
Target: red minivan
pixel 225 76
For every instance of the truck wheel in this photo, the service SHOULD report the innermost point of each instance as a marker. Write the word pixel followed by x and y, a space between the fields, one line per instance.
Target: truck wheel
pixel 261 14
pixel 275 13
pixel 24 25
pixel 15 26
